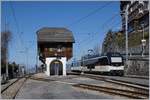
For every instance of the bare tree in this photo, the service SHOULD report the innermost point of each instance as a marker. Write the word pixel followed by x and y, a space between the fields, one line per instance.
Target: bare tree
pixel 5 39
pixel 107 43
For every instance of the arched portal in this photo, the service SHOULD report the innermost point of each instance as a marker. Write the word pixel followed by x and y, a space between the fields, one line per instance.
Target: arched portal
pixel 56 67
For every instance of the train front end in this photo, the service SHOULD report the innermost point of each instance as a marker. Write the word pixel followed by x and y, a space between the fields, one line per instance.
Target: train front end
pixel 116 64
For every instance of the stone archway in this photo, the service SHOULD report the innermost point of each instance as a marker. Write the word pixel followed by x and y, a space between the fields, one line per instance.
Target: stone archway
pixel 56 67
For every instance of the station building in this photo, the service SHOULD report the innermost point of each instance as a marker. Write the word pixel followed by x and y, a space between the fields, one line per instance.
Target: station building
pixel 55 46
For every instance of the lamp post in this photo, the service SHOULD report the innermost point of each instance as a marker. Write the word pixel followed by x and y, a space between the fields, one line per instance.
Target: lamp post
pixel 143 41
pixel 141 11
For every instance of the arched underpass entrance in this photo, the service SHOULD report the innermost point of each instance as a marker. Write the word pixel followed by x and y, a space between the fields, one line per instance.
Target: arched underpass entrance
pixel 56 67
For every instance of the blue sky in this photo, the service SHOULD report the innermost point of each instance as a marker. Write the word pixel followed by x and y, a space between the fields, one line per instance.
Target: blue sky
pixel 31 16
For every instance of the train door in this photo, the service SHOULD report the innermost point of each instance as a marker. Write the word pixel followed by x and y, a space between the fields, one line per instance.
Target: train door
pixel 56 67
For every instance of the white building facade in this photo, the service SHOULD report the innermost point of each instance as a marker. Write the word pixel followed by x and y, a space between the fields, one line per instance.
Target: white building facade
pixel 57 71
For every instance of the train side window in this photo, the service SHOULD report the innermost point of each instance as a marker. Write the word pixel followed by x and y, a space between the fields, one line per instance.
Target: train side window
pixel 103 61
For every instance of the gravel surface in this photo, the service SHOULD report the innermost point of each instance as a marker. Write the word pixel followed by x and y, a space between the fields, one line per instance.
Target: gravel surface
pixel 12 90
pixel 61 89
pixel 3 86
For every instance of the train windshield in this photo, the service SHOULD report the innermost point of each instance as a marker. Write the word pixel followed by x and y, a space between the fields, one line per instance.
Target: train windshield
pixel 115 59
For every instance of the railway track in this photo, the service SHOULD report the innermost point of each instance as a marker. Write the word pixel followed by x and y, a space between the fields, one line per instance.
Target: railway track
pixel 124 84
pixel 131 92
pixel 110 90
pixel 12 89
pixel 116 81
pixel 2 90
pixel 110 79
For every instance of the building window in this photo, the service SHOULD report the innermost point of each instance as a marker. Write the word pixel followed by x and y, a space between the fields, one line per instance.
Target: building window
pixel 50 49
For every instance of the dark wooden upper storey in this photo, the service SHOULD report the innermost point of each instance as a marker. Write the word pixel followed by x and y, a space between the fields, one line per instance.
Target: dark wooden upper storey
pixel 54 42
pixel 55 35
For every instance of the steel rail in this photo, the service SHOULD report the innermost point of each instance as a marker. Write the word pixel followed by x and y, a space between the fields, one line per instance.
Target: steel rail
pixel 127 76
pixel 20 87
pixel 139 77
pixel 107 78
pixel 125 84
pixel 118 82
pixel 122 92
pixel 9 85
pixel 2 91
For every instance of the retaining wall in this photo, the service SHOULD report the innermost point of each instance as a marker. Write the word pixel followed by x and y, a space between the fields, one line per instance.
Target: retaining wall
pixel 137 66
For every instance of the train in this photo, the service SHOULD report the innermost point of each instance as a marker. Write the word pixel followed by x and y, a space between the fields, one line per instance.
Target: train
pixel 109 63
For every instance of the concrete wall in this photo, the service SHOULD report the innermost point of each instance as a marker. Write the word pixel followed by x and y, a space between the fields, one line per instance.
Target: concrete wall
pixel 138 66
pixel 48 62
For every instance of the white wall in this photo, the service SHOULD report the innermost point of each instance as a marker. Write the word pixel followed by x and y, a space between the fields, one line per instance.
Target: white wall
pixel 50 59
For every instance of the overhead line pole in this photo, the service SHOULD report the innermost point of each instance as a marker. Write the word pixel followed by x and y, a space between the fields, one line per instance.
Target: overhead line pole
pixel 7 74
pixel 126 31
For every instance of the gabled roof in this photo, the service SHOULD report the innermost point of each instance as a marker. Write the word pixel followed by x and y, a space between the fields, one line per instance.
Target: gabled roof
pixel 54 34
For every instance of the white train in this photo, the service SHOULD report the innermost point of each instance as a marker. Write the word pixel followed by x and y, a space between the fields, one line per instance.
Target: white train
pixel 111 63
